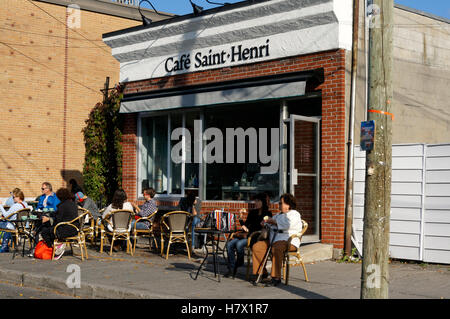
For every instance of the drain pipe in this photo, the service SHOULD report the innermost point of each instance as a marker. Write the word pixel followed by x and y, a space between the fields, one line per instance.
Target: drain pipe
pixel 349 193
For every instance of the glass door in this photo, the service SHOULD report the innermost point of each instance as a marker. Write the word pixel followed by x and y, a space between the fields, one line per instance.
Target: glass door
pixel 304 171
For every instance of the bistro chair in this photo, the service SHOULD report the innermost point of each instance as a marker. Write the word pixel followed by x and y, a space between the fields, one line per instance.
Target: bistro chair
pixel 145 232
pixel 120 222
pixel 19 228
pixel 79 238
pixel 174 225
pixel 294 255
pixel 87 224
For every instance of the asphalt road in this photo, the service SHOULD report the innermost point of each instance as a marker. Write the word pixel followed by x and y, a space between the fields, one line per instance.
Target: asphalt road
pixel 11 291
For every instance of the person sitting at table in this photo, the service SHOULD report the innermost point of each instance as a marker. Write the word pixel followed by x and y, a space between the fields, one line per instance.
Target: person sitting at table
pixel 88 203
pixel 188 204
pixel 48 199
pixel 119 201
pixel 236 246
pixel 10 201
pixel 283 225
pixel 66 211
pixel 19 204
pixel 148 208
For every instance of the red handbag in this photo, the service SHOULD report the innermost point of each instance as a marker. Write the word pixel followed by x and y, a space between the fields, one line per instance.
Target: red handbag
pixel 42 251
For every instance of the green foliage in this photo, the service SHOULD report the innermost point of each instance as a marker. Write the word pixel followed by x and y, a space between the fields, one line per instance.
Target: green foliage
pixel 102 169
pixel 353 258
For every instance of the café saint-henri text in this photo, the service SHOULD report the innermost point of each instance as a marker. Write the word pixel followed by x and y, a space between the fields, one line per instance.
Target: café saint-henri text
pixel 200 59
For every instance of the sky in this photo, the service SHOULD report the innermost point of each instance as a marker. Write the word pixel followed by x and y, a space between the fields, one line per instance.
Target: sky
pixel 181 7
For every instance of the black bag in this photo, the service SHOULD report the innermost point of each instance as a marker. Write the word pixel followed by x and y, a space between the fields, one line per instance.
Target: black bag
pixel 264 234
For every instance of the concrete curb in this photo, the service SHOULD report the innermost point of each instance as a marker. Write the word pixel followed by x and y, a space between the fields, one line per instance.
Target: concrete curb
pixel 92 291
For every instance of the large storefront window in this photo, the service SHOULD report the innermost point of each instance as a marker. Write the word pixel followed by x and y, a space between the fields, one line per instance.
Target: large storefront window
pixel 239 176
pixel 154 168
pixel 157 167
pixel 237 142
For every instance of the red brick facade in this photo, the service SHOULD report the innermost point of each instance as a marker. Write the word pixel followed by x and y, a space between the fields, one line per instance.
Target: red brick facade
pixel 332 129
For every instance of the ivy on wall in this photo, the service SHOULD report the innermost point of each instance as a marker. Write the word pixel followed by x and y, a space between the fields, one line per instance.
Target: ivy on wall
pixel 102 169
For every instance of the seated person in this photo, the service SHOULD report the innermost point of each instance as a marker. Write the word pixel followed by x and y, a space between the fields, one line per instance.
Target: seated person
pixel 66 211
pixel 283 225
pixel 119 201
pixel 148 208
pixel 48 199
pixel 19 204
pixel 188 204
pixel 10 201
pixel 236 246
pixel 88 203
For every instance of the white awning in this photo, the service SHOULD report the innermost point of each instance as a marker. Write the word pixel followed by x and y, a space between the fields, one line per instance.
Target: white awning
pixel 218 97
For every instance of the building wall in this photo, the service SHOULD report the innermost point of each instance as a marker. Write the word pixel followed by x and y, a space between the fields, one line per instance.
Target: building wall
pixel 421 77
pixel 50 79
pixel 332 139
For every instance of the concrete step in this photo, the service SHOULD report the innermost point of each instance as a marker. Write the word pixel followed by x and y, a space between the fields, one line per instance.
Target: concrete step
pixel 316 252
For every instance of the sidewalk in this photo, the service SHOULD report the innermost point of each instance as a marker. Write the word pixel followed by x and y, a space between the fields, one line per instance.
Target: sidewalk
pixel 147 275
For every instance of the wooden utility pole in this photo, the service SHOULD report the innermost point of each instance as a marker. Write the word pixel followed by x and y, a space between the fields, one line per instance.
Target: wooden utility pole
pixel 375 272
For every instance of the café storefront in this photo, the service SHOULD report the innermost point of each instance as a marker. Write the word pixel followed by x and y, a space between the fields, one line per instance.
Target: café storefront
pixel 237 100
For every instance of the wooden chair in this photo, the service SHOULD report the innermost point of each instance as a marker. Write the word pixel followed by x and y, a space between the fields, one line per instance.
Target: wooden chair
pixel 79 238
pixel 19 228
pixel 297 258
pixel 120 222
pixel 174 225
pixel 145 232
pixel 88 224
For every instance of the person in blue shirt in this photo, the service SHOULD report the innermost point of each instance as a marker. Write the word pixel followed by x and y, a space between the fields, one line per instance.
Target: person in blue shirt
pixel 48 199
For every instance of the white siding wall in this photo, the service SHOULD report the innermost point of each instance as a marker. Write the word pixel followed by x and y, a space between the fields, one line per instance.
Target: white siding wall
pixel 420 202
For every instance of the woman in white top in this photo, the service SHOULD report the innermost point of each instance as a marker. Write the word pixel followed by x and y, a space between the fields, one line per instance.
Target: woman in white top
pixel 19 204
pixel 283 225
pixel 118 202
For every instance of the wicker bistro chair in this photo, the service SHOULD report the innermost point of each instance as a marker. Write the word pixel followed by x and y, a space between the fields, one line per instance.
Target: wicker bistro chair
pixel 174 225
pixel 19 228
pixel 120 222
pixel 297 258
pixel 145 232
pixel 78 239
pixel 287 254
pixel 88 224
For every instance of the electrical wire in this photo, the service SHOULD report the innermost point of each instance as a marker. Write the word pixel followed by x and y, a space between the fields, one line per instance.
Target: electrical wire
pixel 47 67
pixel 30 1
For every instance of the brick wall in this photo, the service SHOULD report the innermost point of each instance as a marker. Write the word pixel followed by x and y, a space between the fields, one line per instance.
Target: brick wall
pixel 332 128
pixel 50 80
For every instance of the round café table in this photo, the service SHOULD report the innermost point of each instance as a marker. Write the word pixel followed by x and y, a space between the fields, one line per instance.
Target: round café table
pixel 213 237
pixel 24 229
